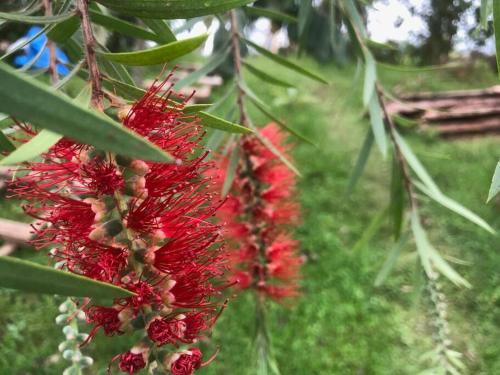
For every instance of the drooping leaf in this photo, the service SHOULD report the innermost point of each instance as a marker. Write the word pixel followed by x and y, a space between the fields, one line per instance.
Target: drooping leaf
pixel 214 61
pixel 284 62
pixel 485 12
pixel 157 55
pixel 231 170
pixel 267 78
pixel 123 27
pixel 32 277
pixel 161 29
pixel 495 183
pixel 211 121
pixel 415 164
pixel 270 13
pixel 360 165
pixel 429 256
pixel 370 231
pixel 37 20
pixel 370 78
pixel 377 123
pixel 56 112
pixel 355 17
pixel 454 206
pixel 391 260
pixel 172 9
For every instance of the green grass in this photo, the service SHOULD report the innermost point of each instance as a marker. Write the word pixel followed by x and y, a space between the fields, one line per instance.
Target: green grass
pixel 342 324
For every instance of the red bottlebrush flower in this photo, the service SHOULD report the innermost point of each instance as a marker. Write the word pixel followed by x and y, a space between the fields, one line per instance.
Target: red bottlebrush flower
pixel 144 226
pixel 257 217
pixel 132 361
pixel 185 363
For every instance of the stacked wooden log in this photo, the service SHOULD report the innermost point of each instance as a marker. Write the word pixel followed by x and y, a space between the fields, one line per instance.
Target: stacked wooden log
pixel 453 113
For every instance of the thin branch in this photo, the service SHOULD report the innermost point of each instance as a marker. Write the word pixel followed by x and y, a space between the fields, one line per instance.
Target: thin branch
pixel 90 43
pixel 235 44
pixel 52 47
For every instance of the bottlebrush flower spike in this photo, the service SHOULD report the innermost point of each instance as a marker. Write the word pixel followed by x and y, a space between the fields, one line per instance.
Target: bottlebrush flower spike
pixel 143 226
pixel 257 216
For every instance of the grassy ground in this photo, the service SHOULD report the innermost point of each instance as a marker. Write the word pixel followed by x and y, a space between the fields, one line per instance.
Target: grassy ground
pixel 342 324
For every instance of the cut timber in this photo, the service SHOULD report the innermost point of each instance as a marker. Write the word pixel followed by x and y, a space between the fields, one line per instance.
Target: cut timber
pixel 13 231
pixel 452 113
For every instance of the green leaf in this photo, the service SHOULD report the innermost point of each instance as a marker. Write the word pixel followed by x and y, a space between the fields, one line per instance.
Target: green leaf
pixel 231 170
pixel 214 61
pixel 157 55
pixel 355 17
pixel 370 231
pixel 211 121
pixel 391 260
pixel 485 12
pixel 58 113
pixel 415 164
pixel 123 27
pixel 5 143
pixel 455 207
pixel 38 20
pixel 195 108
pixel 123 89
pixel 495 183
pixel 270 13
pixel 32 277
pixel 496 27
pixel 62 31
pixel 370 78
pixel 30 150
pixel 115 70
pixel 429 256
pixel 172 9
pixel 397 204
pixel 284 62
pixel 360 165
pixel 267 78
pixel 377 123
pixel 161 29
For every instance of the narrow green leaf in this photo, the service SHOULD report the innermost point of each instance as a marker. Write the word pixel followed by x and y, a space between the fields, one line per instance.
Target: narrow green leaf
pixel 361 161
pixel 266 77
pixel 496 27
pixel 377 123
pixel 32 277
pixel 454 206
pixel 214 61
pixel 485 11
pixel 284 62
pixel 70 75
pixel 270 13
pixel 123 27
pixel 58 113
pixel 415 164
pixel 38 20
pixel 231 170
pixel 370 231
pixel 391 260
pixel 370 78
pixel 161 29
pixel 397 197
pixel 211 121
pixel 429 256
pixel 195 108
pixel 27 41
pixel 495 183
pixel 157 55
pixel 30 150
pixel 355 17
pixel 268 113
pixel 123 89
pixel 5 143
pixel 62 31
pixel 266 142
pixel 114 69
pixel 172 9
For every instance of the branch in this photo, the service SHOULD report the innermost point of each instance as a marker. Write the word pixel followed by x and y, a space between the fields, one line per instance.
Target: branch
pixel 235 44
pixel 51 46
pixel 89 41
